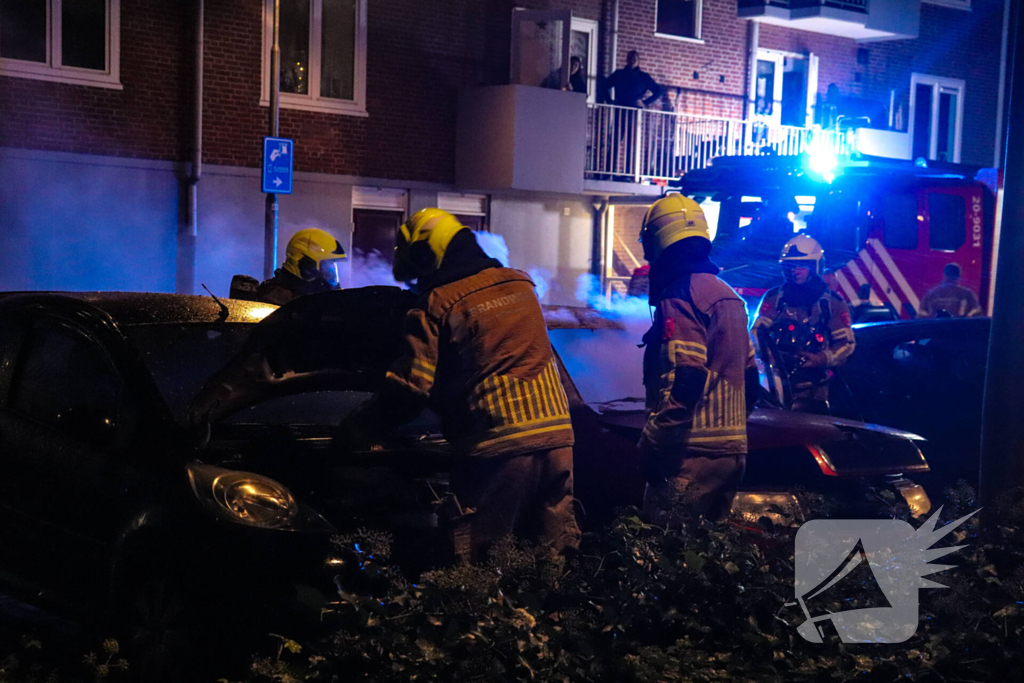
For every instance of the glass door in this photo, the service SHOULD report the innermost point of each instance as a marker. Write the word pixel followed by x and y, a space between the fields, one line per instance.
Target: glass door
pixel 936 117
pixel 541 42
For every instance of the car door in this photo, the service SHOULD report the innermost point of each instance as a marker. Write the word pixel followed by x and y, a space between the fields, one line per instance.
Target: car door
pixel 60 426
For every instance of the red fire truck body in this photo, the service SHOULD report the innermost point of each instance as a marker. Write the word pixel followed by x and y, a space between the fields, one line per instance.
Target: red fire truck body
pixel 893 225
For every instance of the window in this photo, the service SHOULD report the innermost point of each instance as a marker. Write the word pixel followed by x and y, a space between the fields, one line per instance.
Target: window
pixel 323 55
pixel 69 41
pixel 947 221
pixel 678 19
pixel 65 382
pixel 899 217
pixel 936 117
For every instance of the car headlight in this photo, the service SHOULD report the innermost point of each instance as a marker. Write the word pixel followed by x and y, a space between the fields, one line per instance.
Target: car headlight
pixel 244 497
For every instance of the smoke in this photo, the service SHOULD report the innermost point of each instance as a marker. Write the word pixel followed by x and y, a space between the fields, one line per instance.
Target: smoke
pixel 541 280
pixel 616 306
pixel 366 270
pixel 494 246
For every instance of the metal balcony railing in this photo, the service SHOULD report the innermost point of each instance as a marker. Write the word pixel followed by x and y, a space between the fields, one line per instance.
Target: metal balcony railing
pixel 850 5
pixel 635 145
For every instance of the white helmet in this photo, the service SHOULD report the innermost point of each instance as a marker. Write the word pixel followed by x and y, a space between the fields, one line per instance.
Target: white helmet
pixel 802 250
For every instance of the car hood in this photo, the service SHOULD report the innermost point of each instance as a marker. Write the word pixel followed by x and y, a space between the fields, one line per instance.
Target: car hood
pixel 854 448
pixel 345 338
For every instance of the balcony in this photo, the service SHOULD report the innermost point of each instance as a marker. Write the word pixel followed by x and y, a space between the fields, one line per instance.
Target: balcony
pixel 857 19
pixel 641 145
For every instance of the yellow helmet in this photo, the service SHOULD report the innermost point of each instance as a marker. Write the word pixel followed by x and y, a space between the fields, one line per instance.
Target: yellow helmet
pixel 421 243
pixel 313 254
pixel 669 220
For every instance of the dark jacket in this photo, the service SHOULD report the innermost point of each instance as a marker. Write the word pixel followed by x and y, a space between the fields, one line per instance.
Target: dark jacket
pixel 630 86
pixel 284 287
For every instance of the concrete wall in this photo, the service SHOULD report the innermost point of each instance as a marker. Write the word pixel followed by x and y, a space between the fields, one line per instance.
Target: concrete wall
pixel 76 222
pixel 547 233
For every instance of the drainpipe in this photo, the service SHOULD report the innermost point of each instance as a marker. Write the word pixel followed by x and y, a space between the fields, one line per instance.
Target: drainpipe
pixel 1001 100
pixel 187 231
pixel 753 36
pixel 598 238
pixel 615 35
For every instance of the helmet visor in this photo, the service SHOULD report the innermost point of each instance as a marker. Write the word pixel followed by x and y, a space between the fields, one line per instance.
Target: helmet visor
pixel 329 271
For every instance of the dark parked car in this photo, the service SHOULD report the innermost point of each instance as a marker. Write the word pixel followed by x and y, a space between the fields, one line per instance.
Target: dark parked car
pixel 156 444
pixel 926 376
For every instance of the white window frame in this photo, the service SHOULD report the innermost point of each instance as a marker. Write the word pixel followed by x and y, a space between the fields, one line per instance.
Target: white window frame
pixel 938 84
pixel 592 28
pixel 779 57
pixel 52 70
pixel 313 101
pixel 954 4
pixel 700 25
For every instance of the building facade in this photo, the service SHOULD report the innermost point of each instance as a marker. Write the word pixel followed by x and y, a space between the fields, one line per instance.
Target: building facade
pixel 396 105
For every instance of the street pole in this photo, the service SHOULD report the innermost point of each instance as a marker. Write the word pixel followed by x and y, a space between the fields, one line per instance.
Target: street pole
pixel 1002 434
pixel 270 218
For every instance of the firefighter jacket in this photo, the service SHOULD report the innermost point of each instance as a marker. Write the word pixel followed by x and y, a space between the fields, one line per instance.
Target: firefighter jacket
pixel 825 309
pixel 477 349
pixel 956 300
pixel 696 364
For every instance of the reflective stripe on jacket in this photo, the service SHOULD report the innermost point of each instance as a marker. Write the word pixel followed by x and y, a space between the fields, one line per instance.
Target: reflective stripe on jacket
pixel 699 330
pixel 479 351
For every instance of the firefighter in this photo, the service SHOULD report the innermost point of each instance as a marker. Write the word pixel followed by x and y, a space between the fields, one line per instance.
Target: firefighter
pixel 808 325
pixel 476 350
pixel 950 299
pixel 310 266
pixel 699 371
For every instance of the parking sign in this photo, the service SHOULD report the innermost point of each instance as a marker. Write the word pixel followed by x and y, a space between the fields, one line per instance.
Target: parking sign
pixel 278 159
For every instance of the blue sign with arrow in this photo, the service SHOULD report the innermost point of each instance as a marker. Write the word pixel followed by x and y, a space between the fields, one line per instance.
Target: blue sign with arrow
pixel 278 161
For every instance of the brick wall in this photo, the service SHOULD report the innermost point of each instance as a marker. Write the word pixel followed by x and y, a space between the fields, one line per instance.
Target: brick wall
pixel 952 44
pixel 145 120
pixel 720 61
pixel 420 54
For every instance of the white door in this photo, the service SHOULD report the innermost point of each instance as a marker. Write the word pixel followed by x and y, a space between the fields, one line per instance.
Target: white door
pixel 936 117
pixel 584 47
pixel 540 47
pixel 787 85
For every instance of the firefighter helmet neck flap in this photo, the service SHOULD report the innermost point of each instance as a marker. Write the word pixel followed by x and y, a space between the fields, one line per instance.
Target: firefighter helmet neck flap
pixel 313 254
pixel 803 251
pixel 422 242
pixel 671 219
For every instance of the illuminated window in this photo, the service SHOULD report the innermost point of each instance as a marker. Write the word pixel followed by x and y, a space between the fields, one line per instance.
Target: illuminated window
pixel 69 41
pixel 323 55
pixel 678 19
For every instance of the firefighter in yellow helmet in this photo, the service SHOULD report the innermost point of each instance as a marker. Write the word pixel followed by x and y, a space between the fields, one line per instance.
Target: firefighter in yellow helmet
pixel 310 266
pixel 476 350
pixel 699 371
pixel 802 330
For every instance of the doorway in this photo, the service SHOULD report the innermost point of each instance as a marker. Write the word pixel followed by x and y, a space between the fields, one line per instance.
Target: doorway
pixel 375 230
pixel 936 117
pixel 786 88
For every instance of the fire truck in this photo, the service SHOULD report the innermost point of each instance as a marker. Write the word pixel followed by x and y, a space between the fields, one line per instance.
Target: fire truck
pixel 889 224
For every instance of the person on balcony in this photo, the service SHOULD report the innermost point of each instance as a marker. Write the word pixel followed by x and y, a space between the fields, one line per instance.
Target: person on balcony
pixel 634 89
pixel 630 86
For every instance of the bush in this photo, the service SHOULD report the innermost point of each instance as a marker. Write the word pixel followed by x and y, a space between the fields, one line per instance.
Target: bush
pixel 643 604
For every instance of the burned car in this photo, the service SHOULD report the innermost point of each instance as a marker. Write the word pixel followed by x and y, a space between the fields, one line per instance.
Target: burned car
pixel 160 443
